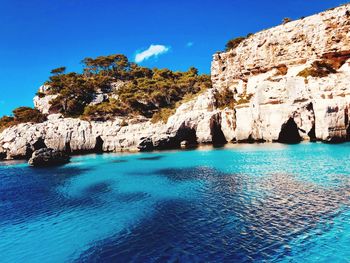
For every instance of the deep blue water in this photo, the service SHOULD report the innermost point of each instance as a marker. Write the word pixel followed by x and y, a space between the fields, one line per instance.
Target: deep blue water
pixel 269 202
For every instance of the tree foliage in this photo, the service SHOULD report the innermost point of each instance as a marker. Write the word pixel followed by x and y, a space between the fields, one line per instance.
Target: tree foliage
pixel 145 92
pixel 318 69
pixel 22 115
pixel 286 20
pixel 57 71
pixel 233 43
pixel 225 98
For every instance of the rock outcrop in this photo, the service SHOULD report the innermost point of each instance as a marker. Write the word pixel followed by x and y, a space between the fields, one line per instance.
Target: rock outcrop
pixel 288 83
pixel 194 121
pixel 293 78
pixel 48 157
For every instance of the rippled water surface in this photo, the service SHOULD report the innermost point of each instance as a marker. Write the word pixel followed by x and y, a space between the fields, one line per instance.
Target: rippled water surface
pixel 246 203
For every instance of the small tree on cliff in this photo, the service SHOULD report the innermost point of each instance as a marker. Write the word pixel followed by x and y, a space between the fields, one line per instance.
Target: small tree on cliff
pixel 58 71
pixel 286 20
pixel 233 43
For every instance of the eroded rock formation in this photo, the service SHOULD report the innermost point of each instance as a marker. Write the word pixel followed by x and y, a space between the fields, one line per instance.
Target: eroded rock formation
pixel 298 72
pixel 288 83
pixel 48 157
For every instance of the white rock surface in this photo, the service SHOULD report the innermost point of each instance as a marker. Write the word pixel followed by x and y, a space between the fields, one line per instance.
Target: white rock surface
pixel 318 106
pixel 268 102
pixel 43 103
pixel 77 135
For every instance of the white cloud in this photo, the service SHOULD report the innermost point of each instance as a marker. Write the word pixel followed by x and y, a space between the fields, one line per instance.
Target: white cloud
pixel 189 44
pixel 152 51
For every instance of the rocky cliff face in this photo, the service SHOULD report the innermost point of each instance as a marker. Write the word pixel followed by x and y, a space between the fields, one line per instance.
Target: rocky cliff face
pixel 289 83
pixel 197 121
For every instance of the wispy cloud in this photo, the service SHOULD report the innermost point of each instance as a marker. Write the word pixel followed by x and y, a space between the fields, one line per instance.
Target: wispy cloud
pixel 152 51
pixel 189 44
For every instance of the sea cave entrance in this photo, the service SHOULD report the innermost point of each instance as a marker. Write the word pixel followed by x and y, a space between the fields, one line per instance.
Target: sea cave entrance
pixel 289 133
pixel 98 145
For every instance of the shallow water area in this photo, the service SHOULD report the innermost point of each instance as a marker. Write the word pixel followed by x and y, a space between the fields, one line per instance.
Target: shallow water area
pixel 242 203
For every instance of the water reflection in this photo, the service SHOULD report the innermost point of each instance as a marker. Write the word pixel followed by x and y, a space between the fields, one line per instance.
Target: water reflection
pixel 151 158
pixel 238 218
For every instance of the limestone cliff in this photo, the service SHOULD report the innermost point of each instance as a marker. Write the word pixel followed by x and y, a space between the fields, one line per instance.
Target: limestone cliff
pixel 197 121
pixel 288 83
pixel 292 80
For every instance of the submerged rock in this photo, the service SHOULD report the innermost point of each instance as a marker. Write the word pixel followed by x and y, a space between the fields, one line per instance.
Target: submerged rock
pixel 48 157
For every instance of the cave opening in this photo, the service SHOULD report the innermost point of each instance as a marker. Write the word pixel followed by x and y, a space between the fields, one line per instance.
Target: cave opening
pixel 312 134
pixel 218 137
pixel 99 145
pixel 289 132
pixel 39 144
pixel 67 148
pixel 186 134
pixel 29 152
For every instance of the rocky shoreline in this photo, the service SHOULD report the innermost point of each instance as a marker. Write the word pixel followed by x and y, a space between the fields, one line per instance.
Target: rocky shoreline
pixel 289 83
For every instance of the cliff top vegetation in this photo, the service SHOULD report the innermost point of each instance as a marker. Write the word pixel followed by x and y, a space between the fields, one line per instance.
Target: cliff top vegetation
pixel 132 90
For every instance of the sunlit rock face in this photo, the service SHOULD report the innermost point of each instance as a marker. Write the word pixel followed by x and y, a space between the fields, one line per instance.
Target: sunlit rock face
pixel 289 83
pixel 197 121
pixel 266 68
pixel 42 103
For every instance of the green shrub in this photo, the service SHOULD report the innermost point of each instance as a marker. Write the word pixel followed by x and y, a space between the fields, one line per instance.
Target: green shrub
pixel 146 91
pixel 286 20
pixel 124 123
pixel 40 94
pixel 318 69
pixel 162 115
pixel 26 114
pixel 104 111
pixel 233 43
pixel 224 99
pixel 6 121
pixel 163 89
pixel 22 115
pixel 244 99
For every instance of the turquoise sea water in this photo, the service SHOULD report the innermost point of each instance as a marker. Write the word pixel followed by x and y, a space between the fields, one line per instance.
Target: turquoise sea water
pixel 268 202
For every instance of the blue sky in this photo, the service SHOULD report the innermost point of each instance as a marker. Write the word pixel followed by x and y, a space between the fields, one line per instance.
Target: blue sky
pixel 39 35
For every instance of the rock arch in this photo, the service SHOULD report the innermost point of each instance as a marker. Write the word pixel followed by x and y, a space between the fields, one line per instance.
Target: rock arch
pixel 187 134
pixel 289 132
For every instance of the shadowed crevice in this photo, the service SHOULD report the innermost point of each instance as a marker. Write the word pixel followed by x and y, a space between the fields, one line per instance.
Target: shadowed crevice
pixel 289 132
pixel 98 145
pixel 67 148
pixel 218 136
pixel 39 144
pixel 186 134
pixel 312 134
